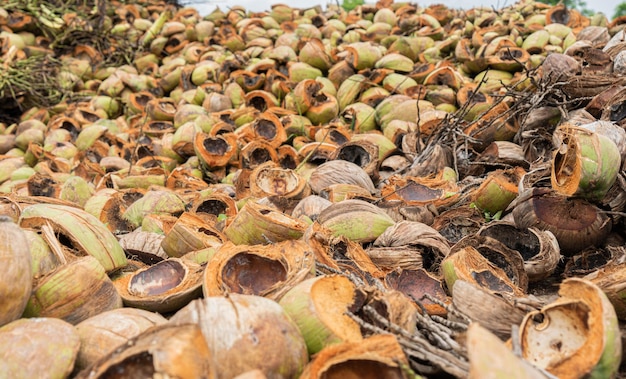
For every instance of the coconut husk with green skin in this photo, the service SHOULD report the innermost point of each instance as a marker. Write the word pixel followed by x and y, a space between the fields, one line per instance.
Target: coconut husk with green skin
pixel 585 163
pixel 318 306
pixel 73 292
pixel 576 335
pixel 153 202
pixel 357 220
pixel 84 233
pixel 191 233
pixel 257 224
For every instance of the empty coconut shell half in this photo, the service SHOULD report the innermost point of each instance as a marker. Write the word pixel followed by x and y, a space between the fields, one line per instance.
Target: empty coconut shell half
pixel 163 287
pixel 164 351
pixel 576 335
pixel 264 270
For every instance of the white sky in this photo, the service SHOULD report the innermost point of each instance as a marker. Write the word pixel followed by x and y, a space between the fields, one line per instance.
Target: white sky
pixel 206 6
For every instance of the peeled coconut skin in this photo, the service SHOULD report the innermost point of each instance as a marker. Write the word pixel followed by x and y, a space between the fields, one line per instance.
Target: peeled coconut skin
pixel 16 281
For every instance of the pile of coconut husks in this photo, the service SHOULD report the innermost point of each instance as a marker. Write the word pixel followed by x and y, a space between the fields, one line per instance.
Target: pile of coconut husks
pixel 394 191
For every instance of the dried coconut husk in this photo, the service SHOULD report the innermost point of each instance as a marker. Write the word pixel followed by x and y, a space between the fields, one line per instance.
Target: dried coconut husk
pixel 255 153
pixel 590 85
pixel 339 171
pixel 438 190
pixel 213 203
pixel 576 223
pixel 143 245
pixel 269 179
pixel 420 239
pixel 457 223
pixel 215 152
pixel 469 264
pixel 362 153
pixel 254 333
pixel 258 224
pixel 163 287
pixel 103 333
pixel 416 284
pixel 54 341
pixel 341 191
pixel 578 334
pixel 539 249
pixel 310 207
pixel 269 271
pixel 191 233
pixel 178 351
pixel 499 255
pixel 499 154
pixel 339 253
pixel 379 356
pixel 611 279
pixel 497 313
pixel 587 261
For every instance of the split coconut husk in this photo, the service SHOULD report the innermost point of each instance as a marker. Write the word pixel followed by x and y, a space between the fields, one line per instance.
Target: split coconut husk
pixel 539 249
pixel 578 334
pixel 82 233
pixel 264 270
pixel 163 287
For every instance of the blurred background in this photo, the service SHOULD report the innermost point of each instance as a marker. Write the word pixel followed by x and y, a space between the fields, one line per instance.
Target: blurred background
pixel 610 8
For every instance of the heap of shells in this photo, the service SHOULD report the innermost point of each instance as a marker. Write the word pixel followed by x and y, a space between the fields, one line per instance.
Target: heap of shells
pixel 390 191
